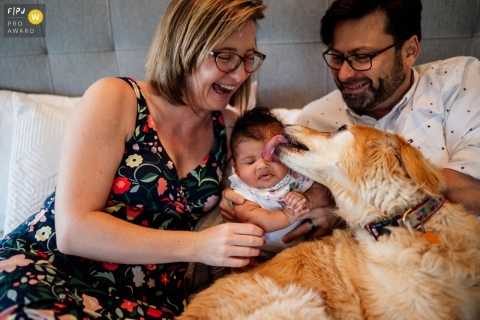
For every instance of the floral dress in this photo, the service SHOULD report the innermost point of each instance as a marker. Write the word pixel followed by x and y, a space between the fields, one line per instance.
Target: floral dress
pixel 37 281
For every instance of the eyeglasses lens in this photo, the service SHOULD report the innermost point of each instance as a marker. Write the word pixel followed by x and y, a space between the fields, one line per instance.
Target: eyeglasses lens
pixel 358 62
pixel 228 62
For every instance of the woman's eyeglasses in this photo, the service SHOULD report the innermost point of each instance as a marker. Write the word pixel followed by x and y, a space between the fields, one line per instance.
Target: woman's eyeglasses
pixel 228 62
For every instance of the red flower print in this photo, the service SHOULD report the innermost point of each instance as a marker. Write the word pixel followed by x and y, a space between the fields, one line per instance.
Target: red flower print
pixel 179 207
pixel 145 128
pixel 128 305
pixel 41 254
pixel 294 174
pixel 121 185
pixel 154 312
pixel 151 266
pixel 220 119
pixel 204 162
pixel 165 279
pixel 162 186
pixel 151 123
pixel 110 266
pixel 145 223
pixel 132 212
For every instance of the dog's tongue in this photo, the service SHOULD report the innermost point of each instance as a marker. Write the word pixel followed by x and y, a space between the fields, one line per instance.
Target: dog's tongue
pixel 269 150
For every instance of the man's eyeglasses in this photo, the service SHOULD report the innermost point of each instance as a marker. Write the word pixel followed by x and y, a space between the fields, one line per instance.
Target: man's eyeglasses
pixel 359 62
pixel 228 62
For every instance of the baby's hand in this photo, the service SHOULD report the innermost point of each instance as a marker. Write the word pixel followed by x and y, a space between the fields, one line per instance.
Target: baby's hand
pixel 297 202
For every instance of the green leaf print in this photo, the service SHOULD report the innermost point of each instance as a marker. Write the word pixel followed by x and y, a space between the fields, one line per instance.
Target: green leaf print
pixel 190 183
pixel 106 275
pixel 119 312
pixel 137 131
pixel 149 177
pixel 60 283
pixel 174 213
pixel 291 186
pixel 195 174
pixel 135 189
pixel 140 311
pixel 114 208
pixel 50 270
pixel 165 224
pixel 12 295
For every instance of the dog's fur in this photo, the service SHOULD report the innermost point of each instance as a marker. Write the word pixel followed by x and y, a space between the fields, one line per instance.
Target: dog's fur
pixel 374 176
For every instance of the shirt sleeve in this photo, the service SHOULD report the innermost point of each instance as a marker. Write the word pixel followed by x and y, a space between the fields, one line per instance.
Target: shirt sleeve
pixel 462 122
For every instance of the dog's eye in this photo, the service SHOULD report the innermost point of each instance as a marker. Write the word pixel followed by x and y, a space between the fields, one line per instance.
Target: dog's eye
pixel 342 127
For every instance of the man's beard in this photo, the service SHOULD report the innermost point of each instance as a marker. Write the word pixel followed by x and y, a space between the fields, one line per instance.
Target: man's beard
pixel 371 98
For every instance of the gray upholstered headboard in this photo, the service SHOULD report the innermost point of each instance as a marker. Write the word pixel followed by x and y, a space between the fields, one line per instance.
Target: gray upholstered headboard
pixel 90 39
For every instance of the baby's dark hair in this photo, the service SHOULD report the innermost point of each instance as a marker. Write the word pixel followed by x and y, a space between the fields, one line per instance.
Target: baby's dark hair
pixel 255 124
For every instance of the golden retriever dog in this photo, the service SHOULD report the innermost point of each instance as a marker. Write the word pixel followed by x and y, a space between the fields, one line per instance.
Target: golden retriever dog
pixel 407 253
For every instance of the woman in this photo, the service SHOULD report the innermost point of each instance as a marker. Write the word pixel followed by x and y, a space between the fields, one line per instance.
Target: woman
pixel 141 161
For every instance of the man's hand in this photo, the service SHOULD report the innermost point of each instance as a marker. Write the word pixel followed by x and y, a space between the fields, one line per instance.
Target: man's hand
pixel 228 196
pixel 324 220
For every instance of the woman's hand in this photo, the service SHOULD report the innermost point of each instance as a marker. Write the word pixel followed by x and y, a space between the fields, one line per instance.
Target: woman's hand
pixel 228 196
pixel 323 220
pixel 229 244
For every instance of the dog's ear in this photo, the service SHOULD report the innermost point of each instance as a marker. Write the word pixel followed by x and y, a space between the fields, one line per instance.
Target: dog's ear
pixel 420 170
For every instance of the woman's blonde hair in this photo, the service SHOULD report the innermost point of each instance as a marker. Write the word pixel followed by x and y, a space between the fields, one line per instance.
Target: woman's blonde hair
pixel 187 32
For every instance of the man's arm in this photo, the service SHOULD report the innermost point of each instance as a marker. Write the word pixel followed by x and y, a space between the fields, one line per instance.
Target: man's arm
pixel 318 196
pixel 464 189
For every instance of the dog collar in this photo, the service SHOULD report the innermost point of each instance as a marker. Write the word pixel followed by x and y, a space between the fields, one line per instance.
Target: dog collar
pixel 415 217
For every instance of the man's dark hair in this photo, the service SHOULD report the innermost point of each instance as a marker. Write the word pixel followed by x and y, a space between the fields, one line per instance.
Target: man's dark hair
pixel 403 17
pixel 255 124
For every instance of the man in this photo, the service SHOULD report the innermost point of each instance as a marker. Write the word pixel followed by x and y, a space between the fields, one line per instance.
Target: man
pixel 372 46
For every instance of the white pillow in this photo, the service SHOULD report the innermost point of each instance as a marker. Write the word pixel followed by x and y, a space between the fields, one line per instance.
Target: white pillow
pixel 38 129
pixel 6 127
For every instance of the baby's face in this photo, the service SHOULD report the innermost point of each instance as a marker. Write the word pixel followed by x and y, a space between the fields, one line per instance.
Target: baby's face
pixel 253 169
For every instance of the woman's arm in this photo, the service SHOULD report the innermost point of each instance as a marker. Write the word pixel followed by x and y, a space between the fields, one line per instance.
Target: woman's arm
pixel 92 150
pixel 251 212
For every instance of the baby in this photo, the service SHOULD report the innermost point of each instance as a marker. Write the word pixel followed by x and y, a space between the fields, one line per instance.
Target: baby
pixel 275 195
